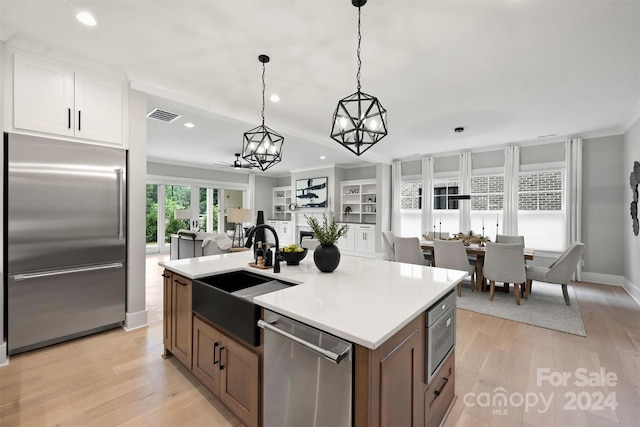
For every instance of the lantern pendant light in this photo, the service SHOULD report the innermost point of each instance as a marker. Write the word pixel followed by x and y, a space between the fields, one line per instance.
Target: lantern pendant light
pixel 261 146
pixel 359 120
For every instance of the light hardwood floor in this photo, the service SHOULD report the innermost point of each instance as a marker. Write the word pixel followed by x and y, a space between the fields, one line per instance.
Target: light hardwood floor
pixel 119 378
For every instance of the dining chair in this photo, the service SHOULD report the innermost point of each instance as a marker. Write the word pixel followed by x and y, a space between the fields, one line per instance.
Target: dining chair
pixel 387 239
pixel 408 249
pixel 438 235
pixel 559 272
pixel 505 238
pixel 452 254
pixel 504 262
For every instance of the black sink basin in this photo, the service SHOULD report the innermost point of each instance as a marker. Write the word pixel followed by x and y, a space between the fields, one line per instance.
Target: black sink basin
pixel 226 300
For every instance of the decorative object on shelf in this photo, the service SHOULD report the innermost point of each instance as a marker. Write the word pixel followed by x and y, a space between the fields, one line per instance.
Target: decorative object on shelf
pixel 292 207
pixel 327 255
pixel 262 146
pixel 311 192
pixel 634 180
pixel 293 254
pixel 347 210
pixel 359 120
pixel 238 216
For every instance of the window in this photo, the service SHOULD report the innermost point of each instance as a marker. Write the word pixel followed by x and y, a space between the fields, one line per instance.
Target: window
pixel 411 195
pixel 541 215
pixel 442 189
pixel 152 215
pixel 487 192
pixel 540 191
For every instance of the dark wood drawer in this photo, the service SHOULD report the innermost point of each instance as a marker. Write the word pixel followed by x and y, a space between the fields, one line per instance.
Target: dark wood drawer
pixel 440 392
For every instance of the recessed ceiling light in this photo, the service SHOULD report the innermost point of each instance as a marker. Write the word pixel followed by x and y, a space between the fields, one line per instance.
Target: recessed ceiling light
pixel 274 98
pixel 189 125
pixel 86 18
pixel 322 157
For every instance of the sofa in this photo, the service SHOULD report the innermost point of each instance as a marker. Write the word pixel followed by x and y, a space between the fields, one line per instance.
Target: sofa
pixel 192 244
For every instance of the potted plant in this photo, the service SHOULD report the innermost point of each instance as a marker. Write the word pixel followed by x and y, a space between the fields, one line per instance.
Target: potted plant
pixel 327 255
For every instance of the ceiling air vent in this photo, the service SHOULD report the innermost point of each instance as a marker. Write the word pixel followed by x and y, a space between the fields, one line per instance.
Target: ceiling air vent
pixel 163 116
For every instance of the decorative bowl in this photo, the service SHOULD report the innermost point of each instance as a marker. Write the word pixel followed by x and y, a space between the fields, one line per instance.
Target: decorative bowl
pixel 294 258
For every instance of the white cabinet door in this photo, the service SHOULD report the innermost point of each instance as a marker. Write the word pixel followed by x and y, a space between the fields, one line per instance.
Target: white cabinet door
pixel 98 103
pixel 365 239
pixel 347 242
pixel 285 233
pixel 43 97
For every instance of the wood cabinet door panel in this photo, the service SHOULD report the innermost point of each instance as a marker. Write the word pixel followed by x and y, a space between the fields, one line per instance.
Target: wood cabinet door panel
pixel 440 393
pixel 206 355
pixel 166 310
pixel 239 381
pixel 182 320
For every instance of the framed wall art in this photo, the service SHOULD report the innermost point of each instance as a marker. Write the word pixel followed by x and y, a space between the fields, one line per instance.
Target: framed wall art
pixel 311 192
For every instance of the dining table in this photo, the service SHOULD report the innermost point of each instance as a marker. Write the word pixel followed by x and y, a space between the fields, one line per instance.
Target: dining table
pixel 479 252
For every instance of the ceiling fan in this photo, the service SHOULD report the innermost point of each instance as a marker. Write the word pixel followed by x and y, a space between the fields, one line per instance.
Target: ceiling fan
pixel 237 163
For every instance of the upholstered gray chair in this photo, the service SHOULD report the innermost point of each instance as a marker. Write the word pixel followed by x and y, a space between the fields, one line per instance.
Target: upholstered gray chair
pixel 452 254
pixel 408 249
pixel 387 239
pixel 504 262
pixel 435 235
pixel 504 238
pixel 559 272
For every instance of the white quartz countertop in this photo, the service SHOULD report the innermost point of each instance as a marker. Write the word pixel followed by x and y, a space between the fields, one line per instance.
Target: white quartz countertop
pixel 364 300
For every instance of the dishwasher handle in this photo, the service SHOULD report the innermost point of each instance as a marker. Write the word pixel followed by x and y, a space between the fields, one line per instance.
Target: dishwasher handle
pixel 327 354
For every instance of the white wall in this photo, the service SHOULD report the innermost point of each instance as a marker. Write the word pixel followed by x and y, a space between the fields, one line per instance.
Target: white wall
pixel 631 152
pixel 136 315
pixel 603 207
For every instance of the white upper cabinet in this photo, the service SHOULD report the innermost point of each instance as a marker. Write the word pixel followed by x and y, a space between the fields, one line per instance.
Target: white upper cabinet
pixel 59 100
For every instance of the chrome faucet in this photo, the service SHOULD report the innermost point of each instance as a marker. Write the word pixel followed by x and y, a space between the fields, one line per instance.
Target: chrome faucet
pixel 276 256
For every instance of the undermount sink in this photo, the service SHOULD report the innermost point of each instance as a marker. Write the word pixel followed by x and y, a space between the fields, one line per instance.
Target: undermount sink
pixel 226 300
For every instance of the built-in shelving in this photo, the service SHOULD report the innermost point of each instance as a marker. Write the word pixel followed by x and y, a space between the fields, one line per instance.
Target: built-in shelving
pixel 359 201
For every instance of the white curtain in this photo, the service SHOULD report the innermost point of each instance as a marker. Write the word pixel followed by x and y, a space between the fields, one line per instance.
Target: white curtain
pixel 573 183
pixel 427 195
pixel 464 206
pixel 511 175
pixel 396 191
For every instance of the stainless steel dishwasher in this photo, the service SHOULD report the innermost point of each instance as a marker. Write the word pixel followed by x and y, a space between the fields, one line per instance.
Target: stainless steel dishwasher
pixel 307 375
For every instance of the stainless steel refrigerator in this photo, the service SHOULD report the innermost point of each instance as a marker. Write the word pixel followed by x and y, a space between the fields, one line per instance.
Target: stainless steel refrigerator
pixel 65 242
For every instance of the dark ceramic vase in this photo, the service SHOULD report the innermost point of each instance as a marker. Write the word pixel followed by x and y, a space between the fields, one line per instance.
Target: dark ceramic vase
pixel 326 257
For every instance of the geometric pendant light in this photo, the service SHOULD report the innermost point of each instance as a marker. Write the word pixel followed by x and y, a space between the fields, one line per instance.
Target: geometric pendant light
pixel 261 146
pixel 359 120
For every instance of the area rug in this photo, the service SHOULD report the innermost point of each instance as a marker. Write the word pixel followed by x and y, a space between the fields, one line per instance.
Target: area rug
pixel 545 307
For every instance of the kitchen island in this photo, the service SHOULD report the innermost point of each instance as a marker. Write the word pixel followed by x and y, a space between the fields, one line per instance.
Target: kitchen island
pixel 379 306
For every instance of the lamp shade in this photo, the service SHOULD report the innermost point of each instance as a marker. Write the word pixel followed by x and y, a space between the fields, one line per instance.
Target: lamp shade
pixel 182 214
pixel 238 215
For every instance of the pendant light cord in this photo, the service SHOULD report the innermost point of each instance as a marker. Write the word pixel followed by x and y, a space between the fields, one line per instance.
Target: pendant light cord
pixel 358 52
pixel 263 90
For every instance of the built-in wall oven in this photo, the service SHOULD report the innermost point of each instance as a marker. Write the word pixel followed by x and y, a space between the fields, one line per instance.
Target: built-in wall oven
pixel 440 334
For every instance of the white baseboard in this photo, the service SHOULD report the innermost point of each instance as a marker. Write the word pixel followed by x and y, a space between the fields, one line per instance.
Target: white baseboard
pixel 605 279
pixel 632 290
pixel 136 320
pixel 4 359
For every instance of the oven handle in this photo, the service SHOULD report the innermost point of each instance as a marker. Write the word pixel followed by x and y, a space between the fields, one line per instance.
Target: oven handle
pixel 327 354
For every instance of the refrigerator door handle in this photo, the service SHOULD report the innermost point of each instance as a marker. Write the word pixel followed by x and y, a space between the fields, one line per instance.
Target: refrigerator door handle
pixel 27 276
pixel 121 202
